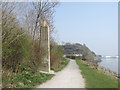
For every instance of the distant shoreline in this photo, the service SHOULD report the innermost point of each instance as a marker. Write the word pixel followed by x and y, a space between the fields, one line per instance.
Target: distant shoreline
pixel 103 69
pixel 110 63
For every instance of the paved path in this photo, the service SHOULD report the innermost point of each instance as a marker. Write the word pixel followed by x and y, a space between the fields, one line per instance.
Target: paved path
pixel 69 77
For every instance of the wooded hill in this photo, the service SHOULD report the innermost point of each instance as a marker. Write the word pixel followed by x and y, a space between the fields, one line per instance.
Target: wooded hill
pixel 87 54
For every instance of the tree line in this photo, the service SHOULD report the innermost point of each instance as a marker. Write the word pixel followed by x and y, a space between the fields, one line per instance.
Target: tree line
pixel 21 36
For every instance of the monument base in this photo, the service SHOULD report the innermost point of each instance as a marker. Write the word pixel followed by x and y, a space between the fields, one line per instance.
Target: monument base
pixel 51 72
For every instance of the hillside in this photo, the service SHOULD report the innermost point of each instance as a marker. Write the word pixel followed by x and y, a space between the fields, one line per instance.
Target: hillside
pixel 70 49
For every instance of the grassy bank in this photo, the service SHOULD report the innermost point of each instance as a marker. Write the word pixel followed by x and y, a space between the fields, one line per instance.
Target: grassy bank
pixel 96 79
pixel 61 65
pixel 25 80
pixel 28 79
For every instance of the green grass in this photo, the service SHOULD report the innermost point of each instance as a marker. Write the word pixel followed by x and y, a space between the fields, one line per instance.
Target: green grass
pixel 25 80
pixel 61 66
pixel 96 79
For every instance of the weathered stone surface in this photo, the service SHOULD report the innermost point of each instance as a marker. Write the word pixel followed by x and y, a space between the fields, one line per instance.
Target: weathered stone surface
pixel 45 45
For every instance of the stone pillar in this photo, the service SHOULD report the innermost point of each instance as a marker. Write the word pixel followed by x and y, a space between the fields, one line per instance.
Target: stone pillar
pixel 45 44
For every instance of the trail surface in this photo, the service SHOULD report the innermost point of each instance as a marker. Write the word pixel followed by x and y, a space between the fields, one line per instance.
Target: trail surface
pixel 69 77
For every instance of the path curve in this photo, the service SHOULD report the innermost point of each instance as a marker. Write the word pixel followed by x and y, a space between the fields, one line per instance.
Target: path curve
pixel 69 77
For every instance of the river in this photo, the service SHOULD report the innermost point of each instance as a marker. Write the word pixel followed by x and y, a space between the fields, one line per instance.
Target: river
pixel 110 63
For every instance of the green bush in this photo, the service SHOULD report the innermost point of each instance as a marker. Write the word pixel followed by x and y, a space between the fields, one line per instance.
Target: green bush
pixel 56 55
pixel 61 66
pixel 25 80
pixel 15 52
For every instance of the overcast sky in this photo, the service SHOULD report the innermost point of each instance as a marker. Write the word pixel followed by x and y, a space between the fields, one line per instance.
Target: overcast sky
pixel 92 23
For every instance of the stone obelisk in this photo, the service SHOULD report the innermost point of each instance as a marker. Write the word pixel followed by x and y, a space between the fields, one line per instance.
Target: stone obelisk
pixel 45 43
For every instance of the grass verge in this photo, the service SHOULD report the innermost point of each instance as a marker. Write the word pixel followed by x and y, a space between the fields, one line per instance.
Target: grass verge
pixel 25 80
pixel 96 79
pixel 61 66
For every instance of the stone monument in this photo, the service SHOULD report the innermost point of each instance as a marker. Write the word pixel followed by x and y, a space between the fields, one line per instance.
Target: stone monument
pixel 45 44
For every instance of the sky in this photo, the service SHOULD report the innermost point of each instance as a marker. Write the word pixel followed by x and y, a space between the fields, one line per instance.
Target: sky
pixel 92 23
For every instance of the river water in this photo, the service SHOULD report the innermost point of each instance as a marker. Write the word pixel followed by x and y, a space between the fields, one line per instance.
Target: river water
pixel 110 63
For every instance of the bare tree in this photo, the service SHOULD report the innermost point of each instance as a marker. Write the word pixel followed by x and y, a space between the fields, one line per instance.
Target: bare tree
pixel 40 11
pixel 8 20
